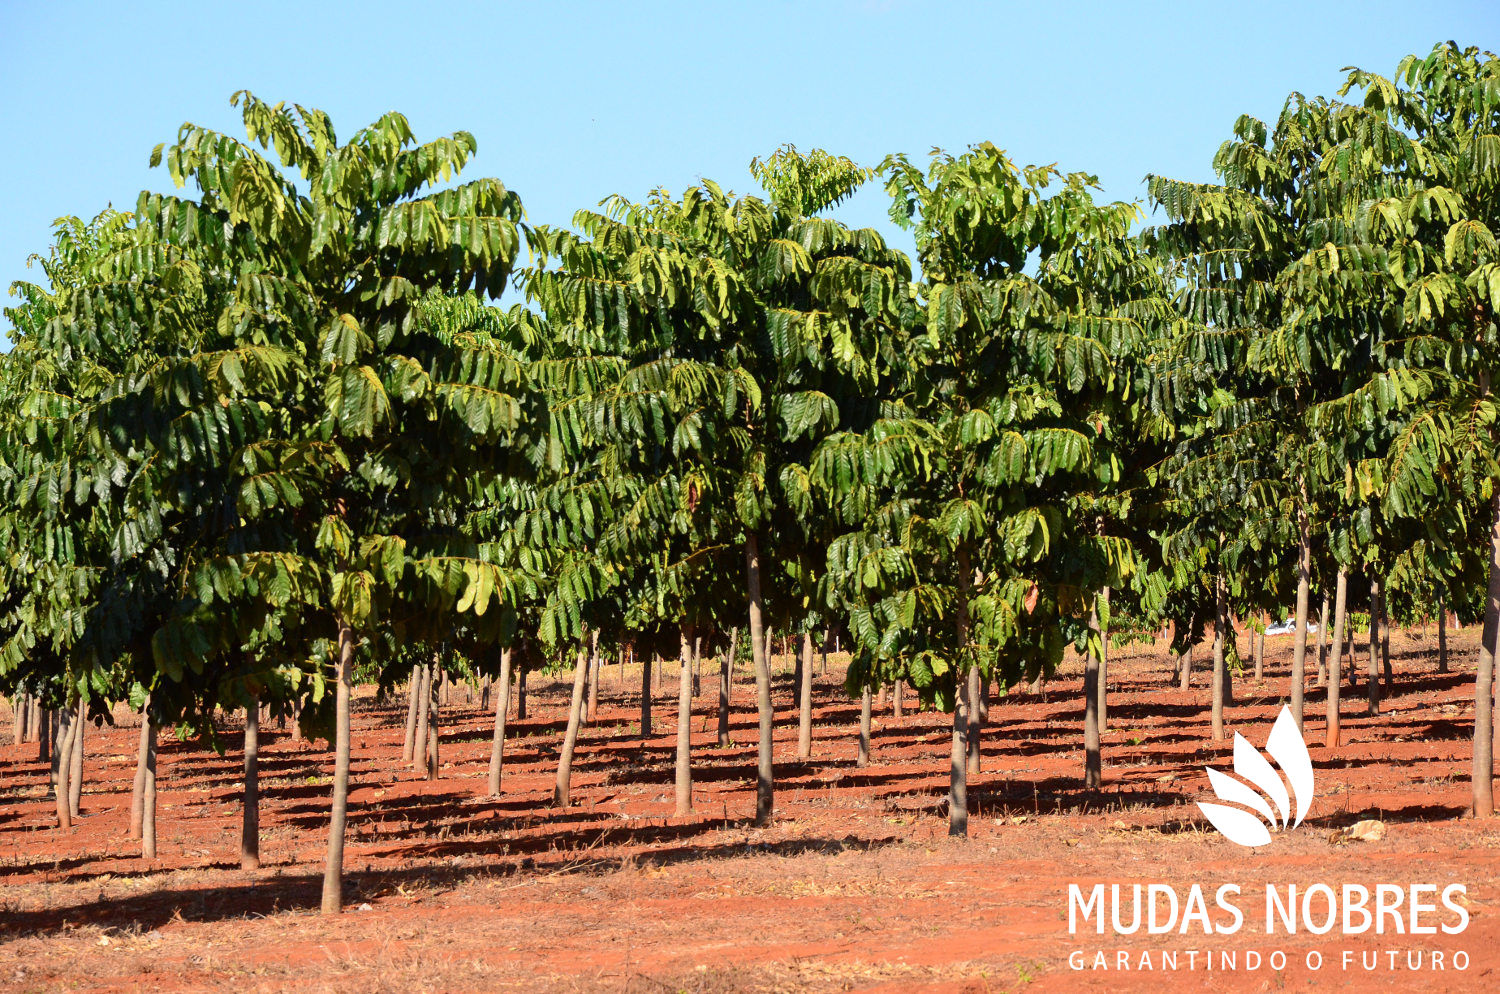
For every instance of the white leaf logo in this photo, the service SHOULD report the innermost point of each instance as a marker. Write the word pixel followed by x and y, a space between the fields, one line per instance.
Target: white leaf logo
pixel 1270 801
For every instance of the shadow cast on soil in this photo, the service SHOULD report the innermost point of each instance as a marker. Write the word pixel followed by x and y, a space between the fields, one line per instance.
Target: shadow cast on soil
pixel 279 893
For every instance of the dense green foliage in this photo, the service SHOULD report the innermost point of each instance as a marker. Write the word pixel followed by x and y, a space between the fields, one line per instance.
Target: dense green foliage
pixel 272 435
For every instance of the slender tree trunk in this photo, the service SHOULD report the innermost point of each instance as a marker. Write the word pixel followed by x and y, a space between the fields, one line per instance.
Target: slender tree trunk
pixel 413 692
pixel 697 666
pixel 297 719
pixel 1336 661
pixel 881 700
pixel 46 728
pixel 17 717
pixel 1102 686
pixel 1385 637
pixel 804 700
pixel 62 764
pixel 422 675
pixel 1442 625
pixel 1372 682
pixel 138 788
pixel 502 705
pixel 977 711
pixel 864 728
pixel 1221 675
pixel 646 665
pixel 958 782
pixel 764 772
pixel 898 698
pixel 797 667
pixel 593 709
pixel 148 788
pixel 1258 647
pixel 75 762
pixel 1093 760
pixel 55 752
pixel 1323 642
pixel 1484 678
pixel 333 872
pixel 562 796
pixel 1232 642
pixel 685 723
pixel 1299 631
pixel 521 693
pixel 1354 664
pixel 726 682
pixel 958 786
pixel 1185 672
pixel 64 725
pixel 435 713
pixel 823 650
pixel 250 820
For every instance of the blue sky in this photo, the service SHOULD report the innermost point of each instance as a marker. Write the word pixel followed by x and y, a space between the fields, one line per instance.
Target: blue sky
pixel 573 102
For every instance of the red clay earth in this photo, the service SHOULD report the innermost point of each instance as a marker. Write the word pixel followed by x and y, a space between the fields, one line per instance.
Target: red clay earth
pixel 855 887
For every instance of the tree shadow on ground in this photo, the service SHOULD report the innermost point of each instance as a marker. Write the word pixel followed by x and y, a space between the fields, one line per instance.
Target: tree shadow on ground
pixel 269 894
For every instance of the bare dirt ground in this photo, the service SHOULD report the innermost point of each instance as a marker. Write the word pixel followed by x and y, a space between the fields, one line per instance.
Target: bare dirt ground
pixel 855 887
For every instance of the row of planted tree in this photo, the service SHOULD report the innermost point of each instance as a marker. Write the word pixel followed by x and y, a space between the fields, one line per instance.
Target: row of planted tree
pixel 271 437
pixel 59 736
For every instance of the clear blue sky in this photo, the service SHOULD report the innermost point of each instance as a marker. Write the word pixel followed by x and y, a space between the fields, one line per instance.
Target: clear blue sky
pixel 573 102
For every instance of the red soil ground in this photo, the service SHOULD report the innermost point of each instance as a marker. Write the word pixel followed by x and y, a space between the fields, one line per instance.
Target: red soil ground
pixel 855 886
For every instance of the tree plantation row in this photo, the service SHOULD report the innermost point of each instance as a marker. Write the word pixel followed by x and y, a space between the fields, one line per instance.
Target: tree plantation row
pixel 331 416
